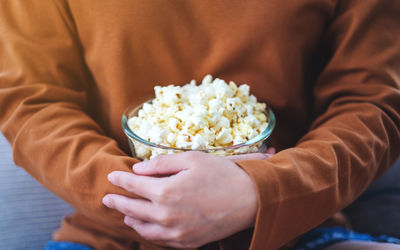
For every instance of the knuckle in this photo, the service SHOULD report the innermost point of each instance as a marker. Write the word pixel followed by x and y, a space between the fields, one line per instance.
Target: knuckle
pixel 125 210
pixel 163 194
pixel 193 156
pixel 160 195
pixel 159 160
pixel 186 237
pixel 178 235
pixel 166 218
pixel 129 186
pixel 128 221
pixel 142 230
pixel 149 234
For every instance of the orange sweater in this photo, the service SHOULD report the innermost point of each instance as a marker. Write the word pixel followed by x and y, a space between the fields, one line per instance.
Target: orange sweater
pixel 329 69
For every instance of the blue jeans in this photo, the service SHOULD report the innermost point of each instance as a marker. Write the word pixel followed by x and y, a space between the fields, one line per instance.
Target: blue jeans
pixel 319 238
pixel 62 245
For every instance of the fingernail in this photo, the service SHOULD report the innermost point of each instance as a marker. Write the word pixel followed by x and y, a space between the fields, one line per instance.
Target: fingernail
pixel 111 177
pixel 107 201
pixel 127 220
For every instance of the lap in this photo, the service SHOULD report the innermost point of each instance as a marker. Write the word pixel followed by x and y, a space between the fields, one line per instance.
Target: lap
pixel 377 210
pixel 363 245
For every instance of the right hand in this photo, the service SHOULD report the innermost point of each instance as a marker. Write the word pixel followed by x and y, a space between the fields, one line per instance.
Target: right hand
pixel 175 210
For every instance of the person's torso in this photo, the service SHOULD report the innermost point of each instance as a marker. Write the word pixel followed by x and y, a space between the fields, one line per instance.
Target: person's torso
pixel 131 46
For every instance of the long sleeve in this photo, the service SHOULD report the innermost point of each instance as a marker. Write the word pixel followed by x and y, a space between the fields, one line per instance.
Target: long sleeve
pixel 355 136
pixel 44 111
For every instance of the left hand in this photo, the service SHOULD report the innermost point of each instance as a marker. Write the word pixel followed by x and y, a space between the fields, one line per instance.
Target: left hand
pixel 199 198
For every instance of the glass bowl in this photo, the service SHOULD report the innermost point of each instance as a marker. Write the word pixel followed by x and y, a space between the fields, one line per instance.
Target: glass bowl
pixel 144 150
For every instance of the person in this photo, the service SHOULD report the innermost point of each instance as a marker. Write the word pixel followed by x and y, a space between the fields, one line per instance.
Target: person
pixel 328 69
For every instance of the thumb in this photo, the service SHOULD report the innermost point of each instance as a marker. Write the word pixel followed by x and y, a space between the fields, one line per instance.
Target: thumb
pixel 162 165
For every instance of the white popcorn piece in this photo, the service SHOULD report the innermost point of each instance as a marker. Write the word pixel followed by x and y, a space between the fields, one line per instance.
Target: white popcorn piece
pixel 157 134
pixel 233 86
pixel 224 136
pixel 171 138
pixel 183 140
pixel 207 80
pixel 222 123
pixel 142 151
pixel 147 108
pixel 199 142
pixel 239 139
pixel 244 90
pixel 222 90
pixel 252 121
pixel 252 134
pixel 232 104
pixel 174 124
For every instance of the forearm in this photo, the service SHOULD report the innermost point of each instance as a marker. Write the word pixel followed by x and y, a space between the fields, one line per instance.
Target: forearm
pixel 355 136
pixel 43 100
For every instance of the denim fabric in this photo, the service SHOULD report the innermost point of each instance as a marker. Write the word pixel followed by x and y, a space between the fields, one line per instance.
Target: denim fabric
pixel 320 238
pixel 61 245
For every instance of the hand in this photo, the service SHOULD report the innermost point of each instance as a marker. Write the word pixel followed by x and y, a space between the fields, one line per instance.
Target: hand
pixel 200 198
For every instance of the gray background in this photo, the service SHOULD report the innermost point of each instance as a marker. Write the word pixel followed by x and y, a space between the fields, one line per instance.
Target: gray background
pixel 28 212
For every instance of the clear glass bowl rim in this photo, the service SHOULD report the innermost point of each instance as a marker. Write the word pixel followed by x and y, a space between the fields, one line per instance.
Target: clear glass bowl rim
pixel 135 109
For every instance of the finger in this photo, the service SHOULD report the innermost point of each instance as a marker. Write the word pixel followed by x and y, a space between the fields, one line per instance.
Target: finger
pixel 161 165
pixel 148 230
pixel 271 150
pixel 136 208
pixel 144 186
pixel 242 157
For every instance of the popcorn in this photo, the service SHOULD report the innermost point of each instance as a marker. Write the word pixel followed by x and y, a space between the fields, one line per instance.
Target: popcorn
pixel 211 115
pixel 224 137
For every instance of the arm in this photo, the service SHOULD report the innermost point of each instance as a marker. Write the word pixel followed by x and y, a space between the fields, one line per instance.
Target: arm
pixel 43 84
pixel 355 136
